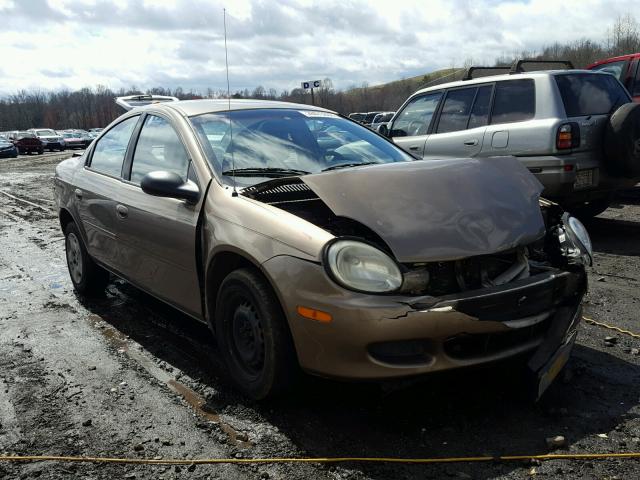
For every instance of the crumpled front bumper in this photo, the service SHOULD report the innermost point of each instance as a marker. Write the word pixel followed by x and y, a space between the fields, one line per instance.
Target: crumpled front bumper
pixel 390 336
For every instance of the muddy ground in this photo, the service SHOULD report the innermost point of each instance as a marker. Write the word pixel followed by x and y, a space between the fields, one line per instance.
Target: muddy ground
pixel 128 376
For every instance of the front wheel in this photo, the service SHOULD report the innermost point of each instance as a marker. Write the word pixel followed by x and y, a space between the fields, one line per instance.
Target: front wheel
pixel 253 335
pixel 87 277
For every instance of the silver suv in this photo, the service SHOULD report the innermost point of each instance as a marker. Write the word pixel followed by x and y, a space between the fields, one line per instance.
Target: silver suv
pixel 560 124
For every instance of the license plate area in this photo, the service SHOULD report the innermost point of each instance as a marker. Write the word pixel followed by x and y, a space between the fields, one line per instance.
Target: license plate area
pixel 585 179
pixel 555 365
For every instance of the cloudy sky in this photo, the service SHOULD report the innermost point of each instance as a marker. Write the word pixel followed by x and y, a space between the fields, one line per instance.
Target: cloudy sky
pixel 52 44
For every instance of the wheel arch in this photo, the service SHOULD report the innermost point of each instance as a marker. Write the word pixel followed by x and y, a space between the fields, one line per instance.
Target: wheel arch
pixel 65 218
pixel 220 265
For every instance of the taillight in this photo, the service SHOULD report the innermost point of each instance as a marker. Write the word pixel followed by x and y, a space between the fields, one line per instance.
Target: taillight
pixel 568 136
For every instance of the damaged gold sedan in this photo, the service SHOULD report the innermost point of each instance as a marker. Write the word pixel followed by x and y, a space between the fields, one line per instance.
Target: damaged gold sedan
pixel 306 240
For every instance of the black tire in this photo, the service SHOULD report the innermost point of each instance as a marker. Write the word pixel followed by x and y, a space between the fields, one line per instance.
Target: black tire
pixel 622 142
pixel 591 209
pixel 41 151
pixel 87 277
pixel 253 336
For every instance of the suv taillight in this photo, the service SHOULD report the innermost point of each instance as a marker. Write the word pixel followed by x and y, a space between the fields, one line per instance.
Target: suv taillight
pixel 568 136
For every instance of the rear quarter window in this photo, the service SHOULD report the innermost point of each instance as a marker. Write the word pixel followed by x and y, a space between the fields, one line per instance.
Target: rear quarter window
pixel 515 101
pixel 590 93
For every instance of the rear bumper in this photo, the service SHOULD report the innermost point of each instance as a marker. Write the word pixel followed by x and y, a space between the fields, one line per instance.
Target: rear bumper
pixel 382 337
pixel 30 148
pixel 557 173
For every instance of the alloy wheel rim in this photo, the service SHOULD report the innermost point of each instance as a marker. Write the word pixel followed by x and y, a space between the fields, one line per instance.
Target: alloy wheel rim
pixel 74 257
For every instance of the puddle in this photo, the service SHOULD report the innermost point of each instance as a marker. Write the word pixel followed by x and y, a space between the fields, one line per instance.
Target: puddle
pixel 199 404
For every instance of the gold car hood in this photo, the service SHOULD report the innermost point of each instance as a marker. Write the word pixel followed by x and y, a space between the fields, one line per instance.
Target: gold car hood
pixel 432 210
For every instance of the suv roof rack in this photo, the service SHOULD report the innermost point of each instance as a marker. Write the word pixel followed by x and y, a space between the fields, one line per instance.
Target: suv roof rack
pixel 516 67
pixel 132 101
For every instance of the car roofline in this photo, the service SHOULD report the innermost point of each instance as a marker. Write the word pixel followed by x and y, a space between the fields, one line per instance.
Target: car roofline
pixel 190 108
pixel 505 76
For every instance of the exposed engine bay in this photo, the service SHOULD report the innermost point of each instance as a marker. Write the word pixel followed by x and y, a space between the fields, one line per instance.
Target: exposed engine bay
pixel 553 250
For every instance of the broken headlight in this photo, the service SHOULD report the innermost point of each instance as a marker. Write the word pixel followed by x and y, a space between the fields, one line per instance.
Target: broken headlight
pixel 359 266
pixel 575 241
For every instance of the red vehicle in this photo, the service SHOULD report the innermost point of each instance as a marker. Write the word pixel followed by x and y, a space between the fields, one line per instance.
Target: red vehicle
pixel 625 68
pixel 26 142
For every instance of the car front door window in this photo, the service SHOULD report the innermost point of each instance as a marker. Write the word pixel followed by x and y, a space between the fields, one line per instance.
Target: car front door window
pixel 158 149
pixel 416 116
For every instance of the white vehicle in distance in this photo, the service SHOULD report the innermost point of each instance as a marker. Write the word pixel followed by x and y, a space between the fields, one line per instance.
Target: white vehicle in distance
pixel 384 117
pixel 51 140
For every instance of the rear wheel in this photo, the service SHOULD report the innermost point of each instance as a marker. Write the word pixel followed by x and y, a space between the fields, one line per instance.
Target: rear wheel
pixel 87 277
pixel 253 335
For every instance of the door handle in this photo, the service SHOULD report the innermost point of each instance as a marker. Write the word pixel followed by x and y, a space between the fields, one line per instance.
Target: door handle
pixel 78 193
pixel 471 143
pixel 122 211
pixel 414 147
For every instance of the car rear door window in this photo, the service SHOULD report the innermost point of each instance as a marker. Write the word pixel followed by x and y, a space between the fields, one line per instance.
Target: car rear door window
pixel 158 149
pixel 480 112
pixel 590 93
pixel 515 101
pixel 416 116
pixel 110 150
pixel 456 109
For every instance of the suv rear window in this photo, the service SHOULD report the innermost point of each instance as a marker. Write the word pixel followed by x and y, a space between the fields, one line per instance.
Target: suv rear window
pixel 590 93
pixel 515 101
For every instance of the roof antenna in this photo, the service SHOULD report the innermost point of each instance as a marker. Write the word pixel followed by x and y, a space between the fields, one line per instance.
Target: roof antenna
pixel 226 61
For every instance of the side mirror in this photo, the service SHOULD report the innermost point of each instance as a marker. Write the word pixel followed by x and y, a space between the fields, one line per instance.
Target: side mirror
pixel 383 130
pixel 169 184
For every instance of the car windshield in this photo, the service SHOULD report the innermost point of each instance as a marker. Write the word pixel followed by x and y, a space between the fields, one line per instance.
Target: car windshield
pixel 46 133
pixel 590 93
pixel 25 135
pixel 69 135
pixel 282 142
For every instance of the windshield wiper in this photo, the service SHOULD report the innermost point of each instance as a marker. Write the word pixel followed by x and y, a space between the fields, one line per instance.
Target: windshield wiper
pixel 264 172
pixel 347 165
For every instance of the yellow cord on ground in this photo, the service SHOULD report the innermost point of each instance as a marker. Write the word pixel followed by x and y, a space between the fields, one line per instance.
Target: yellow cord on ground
pixel 610 327
pixel 211 461
pixel 205 461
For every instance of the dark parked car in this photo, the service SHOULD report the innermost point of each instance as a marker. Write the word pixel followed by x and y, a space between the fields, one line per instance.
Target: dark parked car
pixel 26 142
pixel 357 117
pixel 344 256
pixel 7 149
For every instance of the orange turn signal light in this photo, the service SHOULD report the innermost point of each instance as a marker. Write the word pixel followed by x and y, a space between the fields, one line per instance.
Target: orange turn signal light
pixel 313 314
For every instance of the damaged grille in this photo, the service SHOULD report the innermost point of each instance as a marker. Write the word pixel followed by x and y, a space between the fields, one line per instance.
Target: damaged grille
pixel 472 273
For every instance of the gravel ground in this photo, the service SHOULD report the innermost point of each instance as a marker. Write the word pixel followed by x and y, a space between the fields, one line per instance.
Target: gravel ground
pixel 128 376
